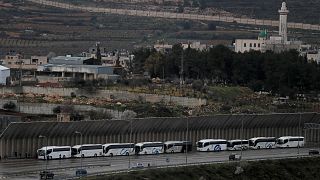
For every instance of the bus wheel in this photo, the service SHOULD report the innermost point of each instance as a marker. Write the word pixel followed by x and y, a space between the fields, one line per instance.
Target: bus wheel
pixel 127 153
pixel 95 155
pixel 82 155
pixel 208 149
pixel 111 154
pixel 172 151
pixel 258 147
pixel 64 156
pixel 50 157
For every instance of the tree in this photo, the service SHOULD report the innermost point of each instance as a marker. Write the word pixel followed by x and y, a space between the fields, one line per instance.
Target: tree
pixel 128 115
pixel 140 57
pixel 212 26
pixel 154 64
pixel 202 4
pixel 99 115
pixel 9 106
pixel 197 85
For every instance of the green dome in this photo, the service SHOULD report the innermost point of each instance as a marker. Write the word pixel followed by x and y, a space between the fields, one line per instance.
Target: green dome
pixel 263 34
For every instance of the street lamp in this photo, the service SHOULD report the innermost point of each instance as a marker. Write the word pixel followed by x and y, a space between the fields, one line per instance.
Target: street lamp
pixel 130 139
pixel 241 138
pixel 78 132
pixel 45 154
pixel 187 133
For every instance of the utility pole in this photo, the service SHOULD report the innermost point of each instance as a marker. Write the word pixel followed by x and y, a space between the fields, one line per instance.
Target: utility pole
pixel 45 154
pixel 181 70
pixel 78 132
pixel 20 72
pixel 129 158
pixel 241 138
pixel 187 133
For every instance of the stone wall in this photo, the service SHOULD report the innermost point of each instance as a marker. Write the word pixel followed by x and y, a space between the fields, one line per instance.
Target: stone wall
pixel 46 109
pixel 117 95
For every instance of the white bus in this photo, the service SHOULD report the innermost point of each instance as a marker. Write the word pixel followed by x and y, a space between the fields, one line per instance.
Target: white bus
pixel 54 152
pixel 149 148
pixel 118 149
pixel 212 145
pixel 262 143
pixel 87 150
pixel 177 146
pixel 290 141
pixel 238 144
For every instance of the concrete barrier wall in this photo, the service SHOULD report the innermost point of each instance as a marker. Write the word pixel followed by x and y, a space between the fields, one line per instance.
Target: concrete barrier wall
pixel 117 95
pixel 23 146
pixel 5 120
pixel 22 138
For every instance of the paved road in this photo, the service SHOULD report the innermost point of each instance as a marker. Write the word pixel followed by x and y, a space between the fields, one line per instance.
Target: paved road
pixel 29 169
pixel 170 15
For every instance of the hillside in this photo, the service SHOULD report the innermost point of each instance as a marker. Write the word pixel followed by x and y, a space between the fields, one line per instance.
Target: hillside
pixel 300 11
pixel 32 29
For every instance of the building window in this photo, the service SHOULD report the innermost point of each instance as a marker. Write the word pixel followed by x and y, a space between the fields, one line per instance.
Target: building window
pixel 9 62
pixel 245 45
pixel 254 45
pixel 250 44
pixel 258 44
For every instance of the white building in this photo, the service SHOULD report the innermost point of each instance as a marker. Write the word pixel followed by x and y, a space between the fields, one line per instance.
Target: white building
pixel 314 56
pixel 243 45
pixel 162 47
pixel 274 43
pixel 194 45
pixel 4 74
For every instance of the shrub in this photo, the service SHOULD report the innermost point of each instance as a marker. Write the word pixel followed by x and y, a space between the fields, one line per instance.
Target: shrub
pixel 9 106
pixel 56 110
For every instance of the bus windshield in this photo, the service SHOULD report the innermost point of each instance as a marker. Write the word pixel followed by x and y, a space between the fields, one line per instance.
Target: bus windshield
pixel 41 152
pixel 280 141
pixel 200 144
pixel 251 143
pixel 74 151
pixel 137 149
pixel 229 144
pixel 106 149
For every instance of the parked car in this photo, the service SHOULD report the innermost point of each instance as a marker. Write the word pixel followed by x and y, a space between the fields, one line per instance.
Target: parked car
pixel 81 172
pixel 234 156
pixel 46 175
pixel 313 152
pixel 138 166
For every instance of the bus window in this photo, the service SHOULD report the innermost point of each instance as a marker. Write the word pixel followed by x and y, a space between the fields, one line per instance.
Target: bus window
pixel 200 144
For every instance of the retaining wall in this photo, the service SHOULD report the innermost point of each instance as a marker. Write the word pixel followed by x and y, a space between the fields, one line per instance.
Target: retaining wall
pixel 47 109
pixel 117 95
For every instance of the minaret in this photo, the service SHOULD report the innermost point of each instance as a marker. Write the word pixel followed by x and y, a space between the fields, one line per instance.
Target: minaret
pixel 283 22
